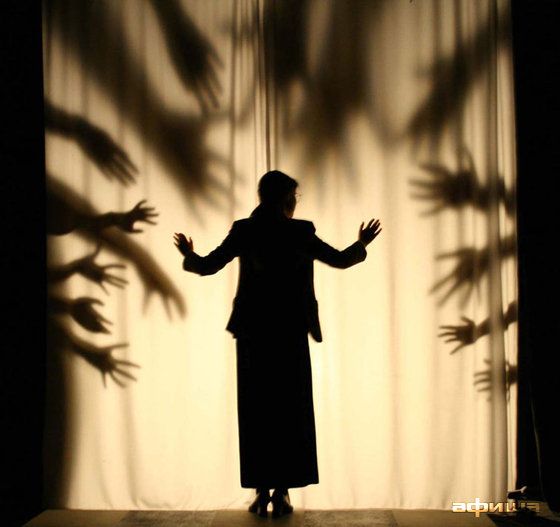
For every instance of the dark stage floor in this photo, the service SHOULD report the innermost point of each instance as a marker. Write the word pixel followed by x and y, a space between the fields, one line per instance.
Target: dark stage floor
pixel 310 518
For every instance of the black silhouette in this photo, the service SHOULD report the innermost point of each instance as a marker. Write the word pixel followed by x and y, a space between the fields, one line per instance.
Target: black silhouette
pixel 274 310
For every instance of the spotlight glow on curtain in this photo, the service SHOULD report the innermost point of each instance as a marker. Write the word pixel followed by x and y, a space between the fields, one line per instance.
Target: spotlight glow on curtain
pixel 395 109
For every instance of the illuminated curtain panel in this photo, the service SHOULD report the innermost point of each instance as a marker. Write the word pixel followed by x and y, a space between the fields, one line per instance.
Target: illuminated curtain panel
pixel 396 110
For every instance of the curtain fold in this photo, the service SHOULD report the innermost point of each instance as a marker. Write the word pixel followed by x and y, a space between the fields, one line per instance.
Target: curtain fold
pixel 396 110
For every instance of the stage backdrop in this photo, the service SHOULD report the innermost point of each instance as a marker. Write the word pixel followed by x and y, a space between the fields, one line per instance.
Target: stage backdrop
pixel 400 110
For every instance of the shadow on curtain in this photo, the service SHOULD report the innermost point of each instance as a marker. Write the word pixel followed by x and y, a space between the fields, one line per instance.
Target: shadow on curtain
pixel 164 114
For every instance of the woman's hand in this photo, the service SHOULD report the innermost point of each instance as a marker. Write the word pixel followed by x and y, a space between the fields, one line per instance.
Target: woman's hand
pixel 184 245
pixel 368 234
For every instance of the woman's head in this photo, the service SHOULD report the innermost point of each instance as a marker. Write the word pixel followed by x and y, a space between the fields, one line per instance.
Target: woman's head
pixel 278 191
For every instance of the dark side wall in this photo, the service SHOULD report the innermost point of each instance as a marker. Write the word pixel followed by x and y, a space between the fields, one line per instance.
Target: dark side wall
pixel 22 263
pixel 536 41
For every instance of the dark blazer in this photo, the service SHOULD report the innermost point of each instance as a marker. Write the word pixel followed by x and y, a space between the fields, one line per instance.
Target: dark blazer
pixel 275 292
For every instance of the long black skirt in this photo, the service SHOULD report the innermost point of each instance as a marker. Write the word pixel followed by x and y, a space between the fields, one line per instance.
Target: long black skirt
pixel 277 444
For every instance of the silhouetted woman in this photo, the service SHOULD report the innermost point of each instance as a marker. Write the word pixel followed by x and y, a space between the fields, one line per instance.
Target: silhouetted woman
pixel 273 311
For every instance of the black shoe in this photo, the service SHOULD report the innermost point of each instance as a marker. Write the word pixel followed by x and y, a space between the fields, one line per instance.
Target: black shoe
pixel 260 505
pixel 281 504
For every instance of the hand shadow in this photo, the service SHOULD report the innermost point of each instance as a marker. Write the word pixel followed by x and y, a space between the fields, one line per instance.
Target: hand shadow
pixel 112 161
pixel 452 189
pixel 88 268
pixel 469 332
pixel 448 188
pixel 176 138
pixel 100 357
pixel 179 140
pixel 194 57
pixel 485 379
pixel 66 205
pixel 81 310
pixel 339 89
pixel 282 30
pixel 452 78
pixel 472 265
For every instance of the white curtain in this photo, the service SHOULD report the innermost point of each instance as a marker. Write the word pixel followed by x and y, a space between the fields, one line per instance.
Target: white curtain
pixel 399 110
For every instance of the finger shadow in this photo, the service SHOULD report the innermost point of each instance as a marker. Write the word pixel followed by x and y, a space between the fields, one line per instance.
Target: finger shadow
pixel 451 189
pixel 452 79
pixel 337 91
pixel 66 211
pixel 177 139
pixel 111 160
pixel 485 380
pixel 195 59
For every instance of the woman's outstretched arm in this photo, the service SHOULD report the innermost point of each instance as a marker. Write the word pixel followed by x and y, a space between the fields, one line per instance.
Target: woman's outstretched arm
pixel 212 262
pixel 350 256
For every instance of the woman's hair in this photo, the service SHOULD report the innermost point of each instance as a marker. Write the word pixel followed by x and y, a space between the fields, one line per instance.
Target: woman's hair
pixel 274 186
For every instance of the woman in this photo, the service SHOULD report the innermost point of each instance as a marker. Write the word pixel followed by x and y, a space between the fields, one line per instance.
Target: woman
pixel 274 310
